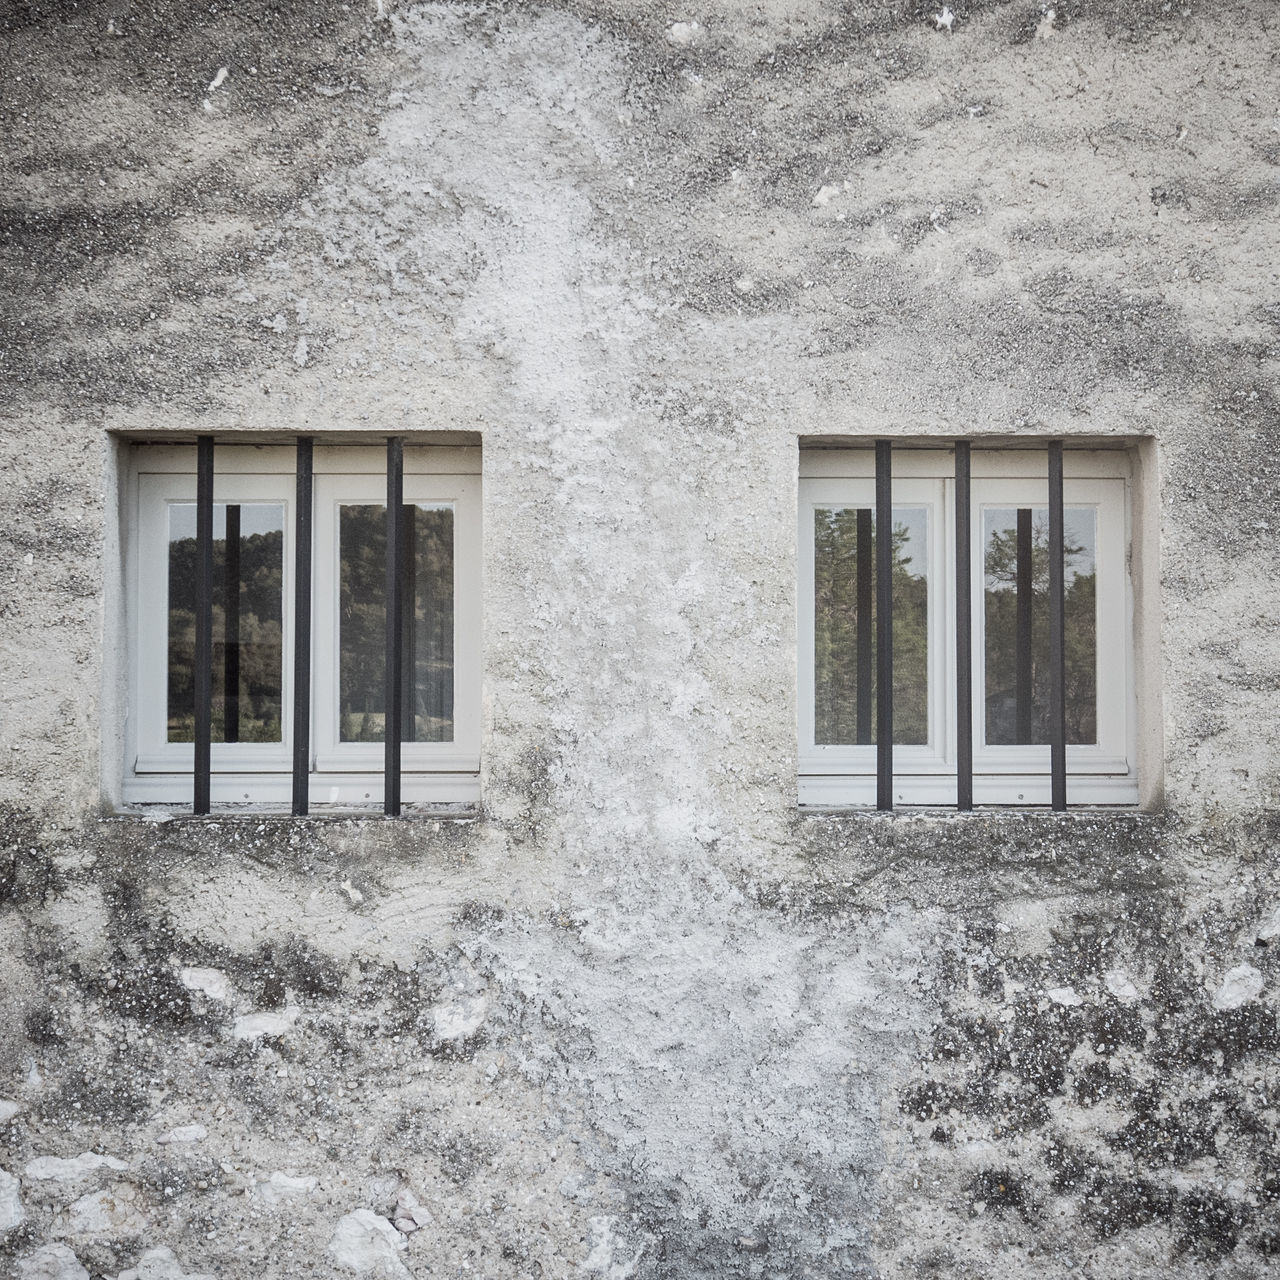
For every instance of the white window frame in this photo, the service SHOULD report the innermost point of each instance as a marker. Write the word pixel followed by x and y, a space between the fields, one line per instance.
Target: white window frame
pixel 1101 774
pixel 341 774
pixel 154 753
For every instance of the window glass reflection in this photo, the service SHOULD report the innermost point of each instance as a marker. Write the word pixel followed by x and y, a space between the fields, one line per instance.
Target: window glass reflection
pixel 248 614
pixel 844 625
pixel 426 643
pixel 1016 604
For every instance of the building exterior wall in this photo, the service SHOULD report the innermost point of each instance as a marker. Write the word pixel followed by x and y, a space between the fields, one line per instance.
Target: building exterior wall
pixel 640 1016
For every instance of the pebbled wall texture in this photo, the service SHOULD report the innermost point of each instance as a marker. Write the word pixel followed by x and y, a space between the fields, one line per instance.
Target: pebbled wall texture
pixel 640 1016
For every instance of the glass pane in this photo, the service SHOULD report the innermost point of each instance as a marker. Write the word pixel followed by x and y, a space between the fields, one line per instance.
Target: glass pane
pixel 248 616
pixel 844 625
pixel 426 644
pixel 1016 602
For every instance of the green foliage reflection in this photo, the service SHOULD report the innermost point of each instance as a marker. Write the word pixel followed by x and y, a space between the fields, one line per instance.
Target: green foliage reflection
pixel 836 677
pixel 1001 603
pixel 259 601
pixel 427 640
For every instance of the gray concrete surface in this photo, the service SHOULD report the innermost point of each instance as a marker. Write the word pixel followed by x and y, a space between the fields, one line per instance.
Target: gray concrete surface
pixel 640 1017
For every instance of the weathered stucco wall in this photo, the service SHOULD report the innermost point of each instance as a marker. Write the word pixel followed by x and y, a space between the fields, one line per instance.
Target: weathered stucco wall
pixel 640 1017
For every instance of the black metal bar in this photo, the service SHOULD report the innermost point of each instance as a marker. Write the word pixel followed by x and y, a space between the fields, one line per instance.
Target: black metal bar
pixel 1025 584
pixel 302 626
pixel 1057 634
pixel 231 627
pixel 408 625
pixel 964 632
pixel 204 624
pixel 862 616
pixel 395 613
pixel 884 625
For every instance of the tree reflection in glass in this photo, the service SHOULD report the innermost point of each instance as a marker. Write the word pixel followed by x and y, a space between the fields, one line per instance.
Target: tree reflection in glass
pixel 844 626
pixel 248 613
pixel 426 643
pixel 1016 603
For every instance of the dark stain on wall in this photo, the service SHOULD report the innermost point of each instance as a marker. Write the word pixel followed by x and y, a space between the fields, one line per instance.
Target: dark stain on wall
pixel 137 195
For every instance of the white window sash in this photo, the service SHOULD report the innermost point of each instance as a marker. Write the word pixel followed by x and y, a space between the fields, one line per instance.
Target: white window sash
pixel 462 494
pixel 153 752
pixel 1114 679
pixel 930 757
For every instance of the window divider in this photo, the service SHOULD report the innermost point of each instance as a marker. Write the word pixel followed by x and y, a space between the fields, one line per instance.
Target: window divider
pixel 204 625
pixel 884 625
pixel 1057 635
pixel 304 474
pixel 964 630
pixel 393 693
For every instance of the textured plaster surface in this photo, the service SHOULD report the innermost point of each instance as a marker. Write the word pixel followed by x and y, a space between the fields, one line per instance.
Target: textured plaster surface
pixel 639 1017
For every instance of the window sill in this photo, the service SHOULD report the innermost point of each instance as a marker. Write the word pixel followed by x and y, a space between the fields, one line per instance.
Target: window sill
pixel 164 815
pixel 326 791
pixel 978 812
pixel 938 792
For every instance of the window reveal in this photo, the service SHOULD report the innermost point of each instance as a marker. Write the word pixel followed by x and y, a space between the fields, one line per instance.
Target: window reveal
pixel 273 620
pixel 979 518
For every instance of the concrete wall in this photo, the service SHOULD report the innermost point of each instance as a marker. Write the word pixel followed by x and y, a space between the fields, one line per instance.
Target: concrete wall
pixel 640 1017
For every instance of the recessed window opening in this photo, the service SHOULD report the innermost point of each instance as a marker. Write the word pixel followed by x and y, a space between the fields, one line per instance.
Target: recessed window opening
pixel 983 651
pixel 290 644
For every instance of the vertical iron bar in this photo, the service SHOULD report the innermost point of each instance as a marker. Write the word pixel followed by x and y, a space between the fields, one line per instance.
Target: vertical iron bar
pixel 204 624
pixel 231 627
pixel 408 627
pixel 302 626
pixel 964 633
pixel 1057 634
pixel 395 614
pixel 1022 642
pixel 862 616
pixel 884 625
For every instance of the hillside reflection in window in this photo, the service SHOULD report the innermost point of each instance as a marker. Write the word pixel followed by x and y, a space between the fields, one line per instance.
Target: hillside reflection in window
pixel 844 625
pixel 426 644
pixel 1016 565
pixel 248 612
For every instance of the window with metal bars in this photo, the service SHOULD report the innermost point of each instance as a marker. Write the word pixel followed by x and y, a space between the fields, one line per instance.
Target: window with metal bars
pixel 290 643
pixel 982 650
